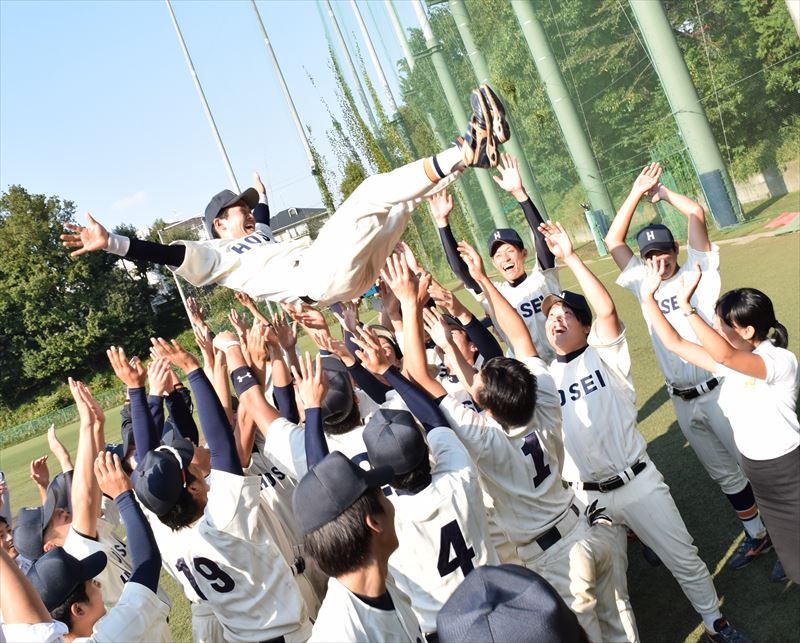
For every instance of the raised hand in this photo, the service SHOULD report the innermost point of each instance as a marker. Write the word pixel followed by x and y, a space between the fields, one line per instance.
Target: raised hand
pixel 441 205
pixel 159 376
pixel 689 281
pixel 204 339
pixel 308 317
pixel 312 381
pixel 257 344
pixel 286 333
pixel 509 179
pixel 647 179
pixel 194 310
pixel 473 260
pixel 436 327
pixel 399 278
pixel 656 270
pixel 348 317
pixel 58 449
pixel 130 372
pixel 557 239
pixel 327 342
pixel 258 183
pixel 238 322
pixel 403 248
pixel 40 474
pixel 89 410
pixel 111 477
pixel 176 354
pixel 92 236
pixel 370 353
pixel 244 299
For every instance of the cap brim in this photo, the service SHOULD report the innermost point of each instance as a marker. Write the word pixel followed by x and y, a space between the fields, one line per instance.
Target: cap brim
pixel 547 303
pixel 499 242
pixel 656 246
pixel 50 504
pixel 92 565
pixel 378 477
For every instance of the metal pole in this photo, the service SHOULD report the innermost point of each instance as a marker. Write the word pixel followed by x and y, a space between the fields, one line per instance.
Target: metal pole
pixel 481 69
pixel 575 137
pixel 454 101
pixel 401 35
pixel 688 111
pixel 793 7
pixel 374 58
pixel 292 110
pixel 356 78
pixel 225 159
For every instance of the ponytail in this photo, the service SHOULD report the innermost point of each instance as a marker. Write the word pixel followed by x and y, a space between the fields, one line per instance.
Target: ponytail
pixel 780 336
pixel 750 307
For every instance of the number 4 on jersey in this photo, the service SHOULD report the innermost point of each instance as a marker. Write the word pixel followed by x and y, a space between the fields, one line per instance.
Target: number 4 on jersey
pixel 451 537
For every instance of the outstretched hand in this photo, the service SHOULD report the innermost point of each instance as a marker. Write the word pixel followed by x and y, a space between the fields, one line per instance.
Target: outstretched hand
pixel 690 281
pixel 656 271
pixel 258 184
pixel 648 179
pixel 436 327
pixel 130 372
pixel 370 352
pixel 398 276
pixel 40 473
pixel 473 260
pixel 312 381
pixel 558 241
pixel 441 205
pixel 92 236
pixel 510 179
pixel 111 477
pixel 175 353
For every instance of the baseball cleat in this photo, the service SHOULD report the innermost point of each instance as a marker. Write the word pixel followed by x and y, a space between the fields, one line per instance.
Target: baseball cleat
pixel 500 127
pixel 724 632
pixel 474 146
pixel 481 122
pixel 748 550
pixel 778 574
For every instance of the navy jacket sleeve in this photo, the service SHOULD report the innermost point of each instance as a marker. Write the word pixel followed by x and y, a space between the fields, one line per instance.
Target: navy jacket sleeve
pixel 316 444
pixel 217 431
pixel 181 415
pixel 422 405
pixel 141 542
pixel 483 339
pixel 455 261
pixel 544 257
pixel 145 434
pixel 140 250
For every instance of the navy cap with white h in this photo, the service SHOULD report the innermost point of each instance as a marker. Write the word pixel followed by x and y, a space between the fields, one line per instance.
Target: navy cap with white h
pixel 331 487
pixel 226 199
pixel 393 439
pixel 572 300
pixel 160 477
pixel 57 574
pixel 507 603
pixel 504 235
pixel 654 237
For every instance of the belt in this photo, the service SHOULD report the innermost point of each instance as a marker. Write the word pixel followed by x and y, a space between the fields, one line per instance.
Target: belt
pixel 612 483
pixel 553 535
pixel 695 391
pixel 277 639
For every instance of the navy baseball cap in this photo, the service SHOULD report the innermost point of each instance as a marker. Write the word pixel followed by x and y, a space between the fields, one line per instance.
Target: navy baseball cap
pixel 161 476
pixel 225 199
pixel 654 237
pixel 504 235
pixel 507 603
pixel 331 487
pixel 393 439
pixel 57 574
pixel 31 523
pixel 575 302
pixel 453 322
pixel 338 402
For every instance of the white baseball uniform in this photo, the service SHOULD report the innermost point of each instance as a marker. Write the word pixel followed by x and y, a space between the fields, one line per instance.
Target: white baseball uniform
pixel 340 264
pixel 442 530
pixel 598 405
pixel 344 617
pixel 520 469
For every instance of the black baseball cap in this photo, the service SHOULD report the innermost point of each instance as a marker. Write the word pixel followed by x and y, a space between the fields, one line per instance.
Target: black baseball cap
pixel 225 199
pixel 453 322
pixel 57 574
pixel 338 402
pixel 161 476
pixel 331 487
pixel 655 237
pixel 504 235
pixel 507 603
pixel 31 523
pixel 575 302
pixel 393 439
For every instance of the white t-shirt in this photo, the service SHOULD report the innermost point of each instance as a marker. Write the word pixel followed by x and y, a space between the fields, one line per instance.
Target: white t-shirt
pixel 520 468
pixel 678 372
pixel 344 617
pixel 762 412
pixel 442 530
pixel 527 299
pixel 598 406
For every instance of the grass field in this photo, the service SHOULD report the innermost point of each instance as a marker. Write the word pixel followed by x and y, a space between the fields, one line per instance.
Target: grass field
pixel 763 610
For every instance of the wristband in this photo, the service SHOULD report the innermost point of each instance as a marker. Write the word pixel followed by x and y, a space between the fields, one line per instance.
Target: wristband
pixel 118 244
pixel 243 379
pixel 690 312
pixel 223 346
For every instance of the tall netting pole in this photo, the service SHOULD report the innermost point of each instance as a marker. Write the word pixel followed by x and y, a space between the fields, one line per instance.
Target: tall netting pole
pixel 455 103
pixel 688 111
pixel 575 137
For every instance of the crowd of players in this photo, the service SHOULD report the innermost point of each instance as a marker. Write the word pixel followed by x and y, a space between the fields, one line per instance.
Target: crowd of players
pixel 434 476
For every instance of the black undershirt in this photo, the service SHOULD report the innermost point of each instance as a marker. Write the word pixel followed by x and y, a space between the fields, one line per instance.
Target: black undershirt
pixel 382 602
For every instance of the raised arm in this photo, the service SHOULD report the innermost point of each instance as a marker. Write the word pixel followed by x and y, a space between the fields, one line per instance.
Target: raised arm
pixel 20 603
pixel 312 384
pixel 693 211
pixel 261 211
pixel 506 315
pixel 441 204
pixel 86 495
pixel 443 338
pixel 615 239
pixel 133 375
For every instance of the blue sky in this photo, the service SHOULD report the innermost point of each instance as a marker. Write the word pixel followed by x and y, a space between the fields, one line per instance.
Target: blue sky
pixel 97 104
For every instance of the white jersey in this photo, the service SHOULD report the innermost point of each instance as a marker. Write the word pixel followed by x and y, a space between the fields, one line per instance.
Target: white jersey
pixel 527 299
pixel 344 617
pixel 442 530
pixel 598 406
pixel 679 372
pixel 252 264
pixel 520 468
pixel 229 558
pixel 762 412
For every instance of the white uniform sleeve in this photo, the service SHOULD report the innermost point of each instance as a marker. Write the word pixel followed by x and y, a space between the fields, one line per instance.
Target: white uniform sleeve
pixel 203 263
pixel 551 280
pixel 448 453
pixel 708 260
pixel 614 354
pixel 781 365
pixel 547 413
pixel 633 275
pixel 52 632
pixel 469 425
pixel 233 503
pixel 286 447
pixel 132 618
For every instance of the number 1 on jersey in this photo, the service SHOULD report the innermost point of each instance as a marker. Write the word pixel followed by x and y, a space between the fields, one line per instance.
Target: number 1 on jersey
pixel 451 536
pixel 534 449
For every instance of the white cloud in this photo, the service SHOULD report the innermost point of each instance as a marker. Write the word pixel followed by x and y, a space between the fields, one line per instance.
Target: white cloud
pixel 129 201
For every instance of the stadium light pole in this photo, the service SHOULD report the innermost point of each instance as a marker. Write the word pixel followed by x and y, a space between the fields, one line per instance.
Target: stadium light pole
pixel 688 111
pixel 454 101
pixel 201 94
pixel 478 61
pixel 575 137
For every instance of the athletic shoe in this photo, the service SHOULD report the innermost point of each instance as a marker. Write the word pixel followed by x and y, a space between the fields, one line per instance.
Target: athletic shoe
pixel 500 127
pixel 778 575
pixel 650 556
pixel 476 144
pixel 724 632
pixel 748 550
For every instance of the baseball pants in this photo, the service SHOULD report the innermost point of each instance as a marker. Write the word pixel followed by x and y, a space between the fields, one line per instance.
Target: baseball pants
pixel 205 626
pixel 646 506
pixel 346 258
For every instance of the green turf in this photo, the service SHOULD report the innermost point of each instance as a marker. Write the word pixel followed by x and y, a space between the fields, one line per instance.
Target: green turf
pixel 763 610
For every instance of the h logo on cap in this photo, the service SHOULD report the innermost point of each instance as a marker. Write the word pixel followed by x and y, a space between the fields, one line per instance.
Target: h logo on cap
pixel 497 234
pixel 650 235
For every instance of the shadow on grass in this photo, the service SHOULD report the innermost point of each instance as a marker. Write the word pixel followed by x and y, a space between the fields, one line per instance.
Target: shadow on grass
pixel 656 401
pixel 752 214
